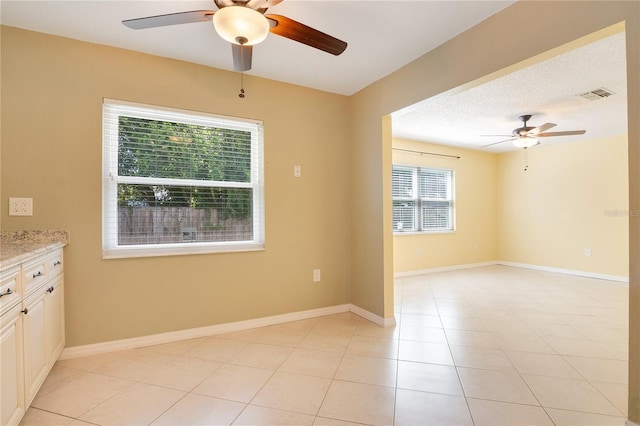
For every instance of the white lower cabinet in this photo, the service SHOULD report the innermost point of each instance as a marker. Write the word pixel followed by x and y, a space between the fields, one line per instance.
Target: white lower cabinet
pixel 12 405
pixel 32 333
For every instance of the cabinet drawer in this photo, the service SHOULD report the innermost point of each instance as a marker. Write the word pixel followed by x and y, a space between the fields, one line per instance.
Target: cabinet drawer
pixel 54 264
pixel 9 289
pixel 34 273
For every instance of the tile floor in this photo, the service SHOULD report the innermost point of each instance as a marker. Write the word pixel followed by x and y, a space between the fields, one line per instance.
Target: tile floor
pixel 486 346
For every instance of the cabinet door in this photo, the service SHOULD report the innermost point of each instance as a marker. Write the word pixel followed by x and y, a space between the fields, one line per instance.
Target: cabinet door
pixel 35 344
pixel 54 321
pixel 12 405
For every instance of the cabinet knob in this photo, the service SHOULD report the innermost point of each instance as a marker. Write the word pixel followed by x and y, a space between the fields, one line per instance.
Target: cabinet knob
pixel 50 289
pixel 25 311
pixel 39 274
pixel 6 293
pixel 56 263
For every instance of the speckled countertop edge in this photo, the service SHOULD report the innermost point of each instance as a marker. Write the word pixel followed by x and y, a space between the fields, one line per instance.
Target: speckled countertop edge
pixel 17 247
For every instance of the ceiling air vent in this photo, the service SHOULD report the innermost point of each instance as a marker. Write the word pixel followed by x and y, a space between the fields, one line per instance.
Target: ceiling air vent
pixel 596 94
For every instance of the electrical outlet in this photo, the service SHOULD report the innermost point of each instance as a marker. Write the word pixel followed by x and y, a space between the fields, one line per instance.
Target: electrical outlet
pixel 587 252
pixel 297 171
pixel 20 206
pixel 316 275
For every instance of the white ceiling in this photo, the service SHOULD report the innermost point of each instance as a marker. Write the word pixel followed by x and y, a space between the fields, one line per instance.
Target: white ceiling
pixel 382 36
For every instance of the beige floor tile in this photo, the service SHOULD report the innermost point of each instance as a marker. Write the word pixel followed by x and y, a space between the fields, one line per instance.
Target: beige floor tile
pixel 570 394
pixel 432 321
pixel 428 378
pixel 36 417
pixel 505 386
pixel 327 340
pixel 181 373
pixel 77 422
pixel 139 404
pixel 134 365
pixel 522 342
pixel 247 336
pixel 616 393
pixel 175 348
pixel 200 410
pixel 514 326
pixel 542 364
pixel 435 353
pixel 234 382
pixel 369 329
pixel 556 330
pixel 494 413
pixel 262 356
pixel 574 347
pixel 601 370
pixel 263 416
pixel 359 403
pixel 216 349
pixel 80 396
pixel 364 369
pixel 323 421
pixel 422 334
pixel 373 346
pixel 93 362
pixel 283 392
pixel 58 377
pixel 280 336
pixel 480 339
pixel 575 418
pixel 463 323
pixel 312 363
pixel 422 408
pixel 490 359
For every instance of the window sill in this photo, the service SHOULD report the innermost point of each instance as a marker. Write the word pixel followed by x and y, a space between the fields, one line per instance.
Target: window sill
pixel 178 250
pixel 452 231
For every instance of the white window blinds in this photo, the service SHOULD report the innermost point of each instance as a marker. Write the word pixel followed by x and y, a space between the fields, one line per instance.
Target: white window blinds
pixel 180 182
pixel 423 199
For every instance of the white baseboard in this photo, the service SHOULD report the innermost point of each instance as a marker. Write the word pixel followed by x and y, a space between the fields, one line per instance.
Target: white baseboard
pixel 442 269
pixel 630 423
pixel 193 333
pixel 618 278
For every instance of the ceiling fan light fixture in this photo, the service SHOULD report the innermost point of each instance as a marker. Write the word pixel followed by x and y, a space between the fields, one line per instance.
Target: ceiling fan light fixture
pixel 241 25
pixel 525 142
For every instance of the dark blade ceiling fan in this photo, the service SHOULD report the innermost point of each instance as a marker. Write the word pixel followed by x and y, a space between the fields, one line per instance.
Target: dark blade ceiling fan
pixel 527 136
pixel 244 24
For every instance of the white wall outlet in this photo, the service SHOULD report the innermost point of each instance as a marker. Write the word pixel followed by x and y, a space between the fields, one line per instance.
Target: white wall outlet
pixel 418 251
pixel 587 252
pixel 316 275
pixel 297 171
pixel 20 206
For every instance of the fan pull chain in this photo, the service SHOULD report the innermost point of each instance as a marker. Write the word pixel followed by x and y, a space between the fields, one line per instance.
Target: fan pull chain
pixel 241 95
pixel 526 160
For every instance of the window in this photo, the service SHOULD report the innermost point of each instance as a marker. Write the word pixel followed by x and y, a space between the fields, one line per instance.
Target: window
pixel 179 182
pixel 422 199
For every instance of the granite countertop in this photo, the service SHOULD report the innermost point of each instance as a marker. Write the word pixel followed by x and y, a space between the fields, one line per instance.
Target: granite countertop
pixel 20 246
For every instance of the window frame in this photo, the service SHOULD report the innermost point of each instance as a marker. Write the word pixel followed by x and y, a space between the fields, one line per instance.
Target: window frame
pixel 111 179
pixel 418 202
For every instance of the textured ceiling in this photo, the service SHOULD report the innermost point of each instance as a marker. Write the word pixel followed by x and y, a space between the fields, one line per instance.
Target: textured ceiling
pixel 549 90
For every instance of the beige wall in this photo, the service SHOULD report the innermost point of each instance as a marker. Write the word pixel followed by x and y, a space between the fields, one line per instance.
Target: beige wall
pixel 474 240
pixel 572 197
pixel 52 90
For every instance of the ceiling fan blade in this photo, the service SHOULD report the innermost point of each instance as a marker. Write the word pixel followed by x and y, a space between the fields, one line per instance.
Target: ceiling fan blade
pixel 169 19
pixel 224 3
pixel 493 136
pixel 567 133
pixel 241 57
pixel 496 143
pixel 541 129
pixel 301 33
pixel 262 4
